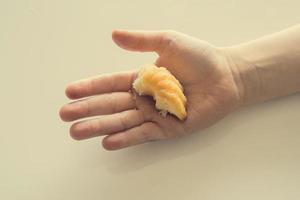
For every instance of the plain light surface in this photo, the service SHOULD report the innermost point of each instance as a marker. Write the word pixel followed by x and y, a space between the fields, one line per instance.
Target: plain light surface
pixel 252 154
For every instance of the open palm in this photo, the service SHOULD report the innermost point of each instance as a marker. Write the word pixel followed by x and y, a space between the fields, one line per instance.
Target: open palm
pixel 208 78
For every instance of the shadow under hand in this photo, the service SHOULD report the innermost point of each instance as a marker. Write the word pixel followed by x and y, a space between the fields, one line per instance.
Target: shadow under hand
pixel 141 156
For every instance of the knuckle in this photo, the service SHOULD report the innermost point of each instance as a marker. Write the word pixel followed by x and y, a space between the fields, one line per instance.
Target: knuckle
pixel 113 103
pixel 170 35
pixel 80 109
pixel 124 121
pixel 90 86
pixel 171 32
pixel 142 116
pixel 168 40
pixel 94 127
pixel 86 108
pixel 146 136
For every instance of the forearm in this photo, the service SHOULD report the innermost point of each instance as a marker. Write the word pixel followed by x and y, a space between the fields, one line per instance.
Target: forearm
pixel 268 67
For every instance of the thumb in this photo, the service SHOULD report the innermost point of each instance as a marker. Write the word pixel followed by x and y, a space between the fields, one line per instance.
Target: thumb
pixel 143 41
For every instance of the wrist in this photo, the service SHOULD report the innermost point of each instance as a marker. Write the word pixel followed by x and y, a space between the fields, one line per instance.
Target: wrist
pixel 245 75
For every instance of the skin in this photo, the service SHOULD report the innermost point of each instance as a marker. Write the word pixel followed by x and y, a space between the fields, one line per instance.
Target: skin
pixel 216 82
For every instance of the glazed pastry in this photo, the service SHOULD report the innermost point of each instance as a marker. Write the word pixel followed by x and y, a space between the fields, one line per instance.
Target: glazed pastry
pixel 166 90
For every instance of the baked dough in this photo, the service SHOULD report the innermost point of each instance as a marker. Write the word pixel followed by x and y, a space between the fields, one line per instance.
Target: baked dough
pixel 166 90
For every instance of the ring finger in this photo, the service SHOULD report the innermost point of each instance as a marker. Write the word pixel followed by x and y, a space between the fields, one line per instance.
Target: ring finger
pixel 106 125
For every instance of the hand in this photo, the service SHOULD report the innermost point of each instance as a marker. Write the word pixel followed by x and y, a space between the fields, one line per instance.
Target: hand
pixel 209 81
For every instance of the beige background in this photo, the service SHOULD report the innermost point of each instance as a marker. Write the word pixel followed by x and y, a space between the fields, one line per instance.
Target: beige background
pixel 252 154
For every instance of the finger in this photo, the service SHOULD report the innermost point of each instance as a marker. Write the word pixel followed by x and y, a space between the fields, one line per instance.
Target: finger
pixel 148 131
pixel 142 40
pixel 116 82
pixel 99 105
pixel 107 124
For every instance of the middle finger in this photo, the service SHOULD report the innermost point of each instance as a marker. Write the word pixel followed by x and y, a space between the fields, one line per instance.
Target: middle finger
pixel 98 105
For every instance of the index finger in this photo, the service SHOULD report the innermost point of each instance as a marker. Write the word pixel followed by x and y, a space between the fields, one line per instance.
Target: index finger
pixel 116 82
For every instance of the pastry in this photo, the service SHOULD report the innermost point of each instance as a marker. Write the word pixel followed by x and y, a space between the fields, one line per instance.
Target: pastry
pixel 166 90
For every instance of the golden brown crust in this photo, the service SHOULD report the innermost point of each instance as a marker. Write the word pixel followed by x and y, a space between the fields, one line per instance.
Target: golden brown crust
pixel 164 87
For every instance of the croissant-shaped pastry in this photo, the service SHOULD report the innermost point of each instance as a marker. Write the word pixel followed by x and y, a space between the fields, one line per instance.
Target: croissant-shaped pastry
pixel 164 87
